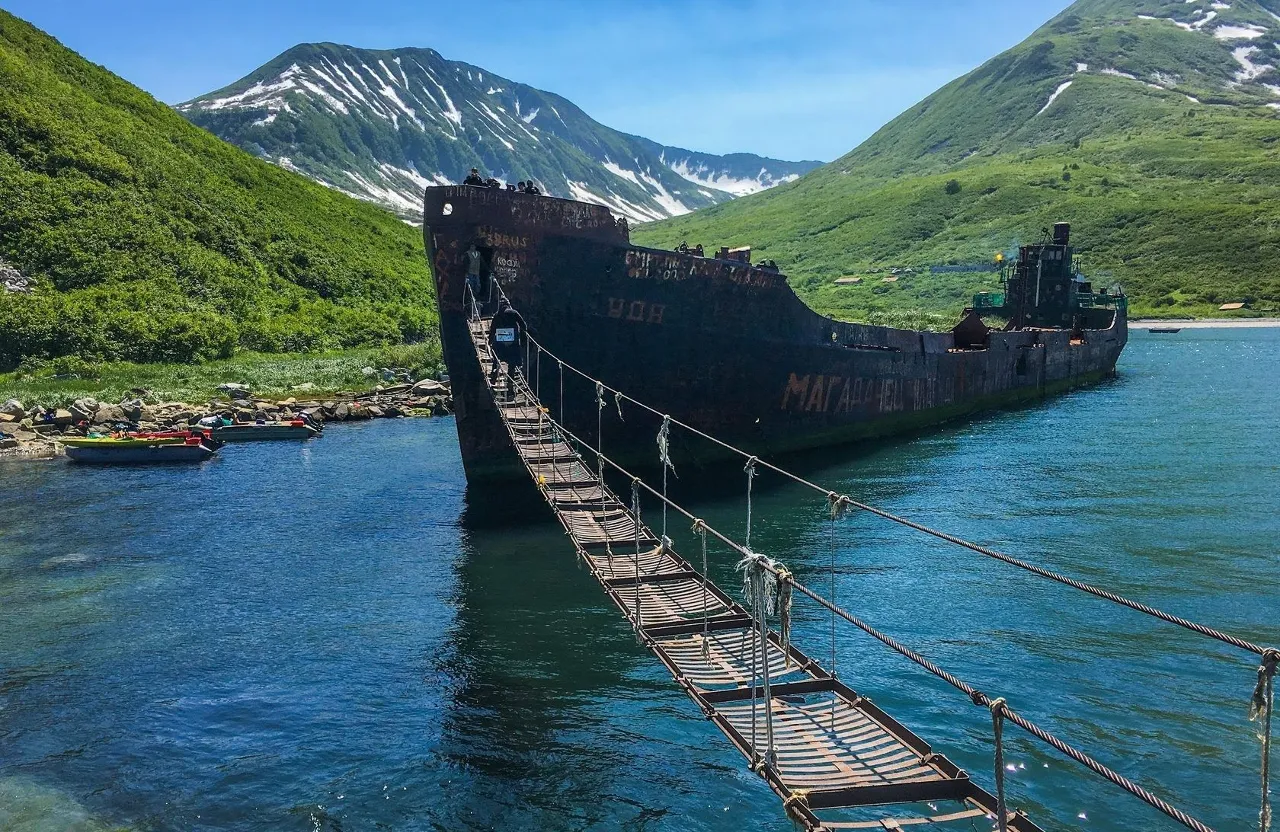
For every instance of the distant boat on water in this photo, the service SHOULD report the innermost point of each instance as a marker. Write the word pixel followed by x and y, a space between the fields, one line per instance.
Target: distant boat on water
pixel 1165 330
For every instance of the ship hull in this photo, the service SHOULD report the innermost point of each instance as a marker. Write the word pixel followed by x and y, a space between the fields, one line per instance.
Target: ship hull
pixel 714 343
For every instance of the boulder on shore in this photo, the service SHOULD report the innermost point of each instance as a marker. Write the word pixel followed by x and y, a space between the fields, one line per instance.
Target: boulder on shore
pixel 83 409
pixel 14 408
pixel 233 390
pixel 429 387
pixel 109 414
pixel 135 411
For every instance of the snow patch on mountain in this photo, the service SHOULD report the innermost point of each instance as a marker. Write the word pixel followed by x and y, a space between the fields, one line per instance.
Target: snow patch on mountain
pixel 1054 97
pixel 701 174
pixel 325 96
pixel 1248 69
pixel 673 206
pixel 618 170
pixel 1247 32
pixel 583 193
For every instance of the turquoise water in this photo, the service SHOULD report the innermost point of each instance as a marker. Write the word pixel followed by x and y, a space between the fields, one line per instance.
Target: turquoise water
pixel 311 638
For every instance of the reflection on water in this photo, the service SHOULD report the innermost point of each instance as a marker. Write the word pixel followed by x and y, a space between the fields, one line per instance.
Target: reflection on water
pixel 316 637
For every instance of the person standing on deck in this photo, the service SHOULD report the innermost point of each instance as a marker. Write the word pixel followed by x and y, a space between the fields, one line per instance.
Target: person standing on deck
pixel 507 336
pixel 474 178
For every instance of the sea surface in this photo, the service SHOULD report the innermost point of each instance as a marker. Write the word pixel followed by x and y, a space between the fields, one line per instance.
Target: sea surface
pixel 315 637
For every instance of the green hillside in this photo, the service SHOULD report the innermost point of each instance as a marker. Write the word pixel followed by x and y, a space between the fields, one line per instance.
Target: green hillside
pixel 144 238
pixel 1151 125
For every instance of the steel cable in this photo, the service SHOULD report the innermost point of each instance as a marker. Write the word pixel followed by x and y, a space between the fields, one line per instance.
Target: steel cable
pixel 975 695
pixel 1099 592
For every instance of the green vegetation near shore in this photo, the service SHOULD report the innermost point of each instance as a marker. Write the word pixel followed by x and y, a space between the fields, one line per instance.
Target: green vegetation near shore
pixel 149 240
pixel 1157 147
pixel 61 381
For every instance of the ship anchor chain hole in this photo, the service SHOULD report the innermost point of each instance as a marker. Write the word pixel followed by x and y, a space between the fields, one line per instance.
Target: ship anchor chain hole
pixel 448 209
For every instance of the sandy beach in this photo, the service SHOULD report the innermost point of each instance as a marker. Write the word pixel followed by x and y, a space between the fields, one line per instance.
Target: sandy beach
pixel 1206 323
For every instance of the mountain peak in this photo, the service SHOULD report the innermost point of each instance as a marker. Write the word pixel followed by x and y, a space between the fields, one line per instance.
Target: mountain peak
pixel 382 124
pixel 1150 125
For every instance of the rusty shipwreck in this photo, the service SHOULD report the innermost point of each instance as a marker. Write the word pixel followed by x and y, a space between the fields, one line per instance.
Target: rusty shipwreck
pixel 727 346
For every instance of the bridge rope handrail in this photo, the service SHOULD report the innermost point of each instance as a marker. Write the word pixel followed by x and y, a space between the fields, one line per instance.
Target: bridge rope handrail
pixel 976 696
pixel 1040 571
pixel 1261 706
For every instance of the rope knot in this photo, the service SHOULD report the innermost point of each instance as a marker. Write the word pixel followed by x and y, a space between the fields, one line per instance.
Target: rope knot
pixel 664 444
pixel 1266 673
pixel 997 726
pixel 699 526
pixel 796 803
pixel 759 582
pixel 785 582
pixel 1271 658
pixel 979 698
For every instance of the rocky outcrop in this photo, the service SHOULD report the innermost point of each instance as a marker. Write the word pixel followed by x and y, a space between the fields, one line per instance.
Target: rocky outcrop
pixel 31 433
pixel 12 280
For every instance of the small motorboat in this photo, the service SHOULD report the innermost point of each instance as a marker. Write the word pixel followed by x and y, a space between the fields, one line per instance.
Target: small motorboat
pixel 134 450
pixel 261 431
pixel 1165 330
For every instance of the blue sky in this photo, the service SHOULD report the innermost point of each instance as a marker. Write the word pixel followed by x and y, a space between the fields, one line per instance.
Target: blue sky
pixel 785 78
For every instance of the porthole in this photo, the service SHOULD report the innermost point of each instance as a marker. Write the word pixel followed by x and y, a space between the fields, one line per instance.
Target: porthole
pixel 448 208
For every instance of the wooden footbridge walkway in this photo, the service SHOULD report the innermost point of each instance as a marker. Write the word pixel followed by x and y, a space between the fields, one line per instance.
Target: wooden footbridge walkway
pixel 822 748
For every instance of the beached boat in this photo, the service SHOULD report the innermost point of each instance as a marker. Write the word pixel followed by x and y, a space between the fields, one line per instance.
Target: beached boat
pixel 726 345
pixel 126 450
pixel 261 431
pixel 205 435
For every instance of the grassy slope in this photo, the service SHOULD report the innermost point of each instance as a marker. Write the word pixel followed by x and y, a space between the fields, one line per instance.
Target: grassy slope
pixel 152 240
pixel 1176 199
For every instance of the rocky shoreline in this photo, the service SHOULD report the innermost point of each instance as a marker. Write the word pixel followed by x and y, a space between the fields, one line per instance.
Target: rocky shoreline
pixel 33 433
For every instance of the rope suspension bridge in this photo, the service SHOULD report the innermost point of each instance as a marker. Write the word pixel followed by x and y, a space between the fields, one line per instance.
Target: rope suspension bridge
pixel 817 743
